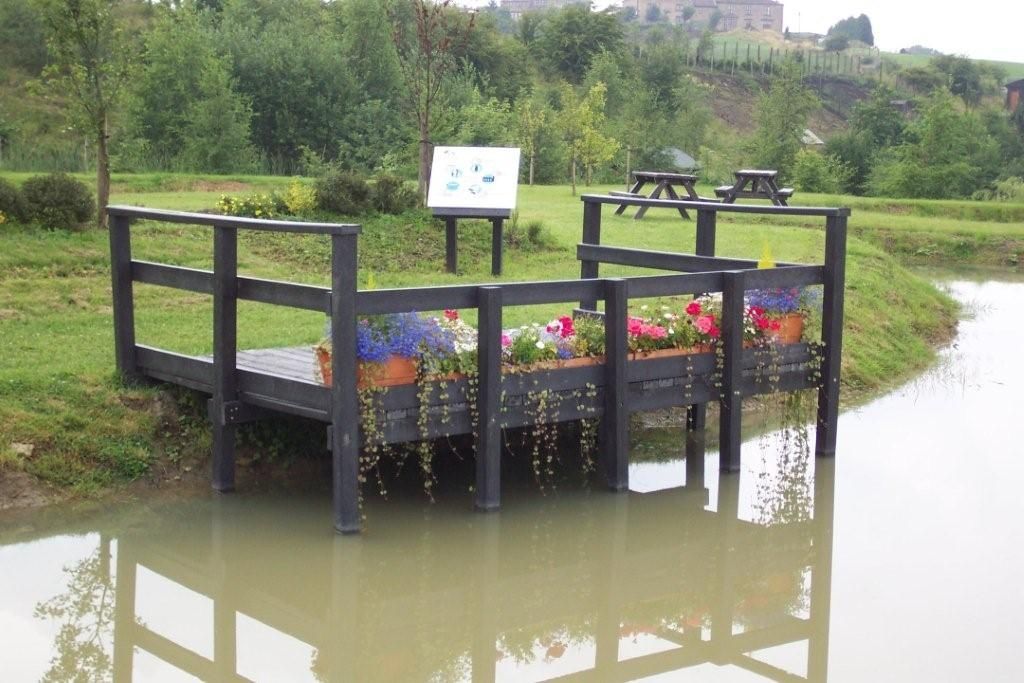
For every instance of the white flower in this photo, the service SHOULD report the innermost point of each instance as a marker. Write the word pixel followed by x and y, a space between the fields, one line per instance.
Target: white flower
pixel 540 344
pixel 644 307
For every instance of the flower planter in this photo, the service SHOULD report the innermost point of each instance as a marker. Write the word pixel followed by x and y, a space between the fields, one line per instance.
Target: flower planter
pixel 791 329
pixel 668 353
pixel 395 371
pixel 582 362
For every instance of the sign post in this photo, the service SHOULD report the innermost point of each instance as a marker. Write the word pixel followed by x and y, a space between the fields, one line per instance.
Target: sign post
pixel 474 182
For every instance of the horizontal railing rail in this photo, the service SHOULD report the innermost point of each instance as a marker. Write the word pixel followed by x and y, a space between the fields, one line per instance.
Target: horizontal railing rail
pixel 716 207
pixel 240 223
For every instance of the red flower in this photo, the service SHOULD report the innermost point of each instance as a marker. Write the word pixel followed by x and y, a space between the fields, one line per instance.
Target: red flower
pixel 635 326
pixel 567 327
pixel 693 308
pixel 451 314
pixel 714 332
pixel 775 325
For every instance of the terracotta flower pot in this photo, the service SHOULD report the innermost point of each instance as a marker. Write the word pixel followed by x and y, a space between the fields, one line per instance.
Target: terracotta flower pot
pixel 396 370
pixel 323 359
pixel 791 329
pixel 581 362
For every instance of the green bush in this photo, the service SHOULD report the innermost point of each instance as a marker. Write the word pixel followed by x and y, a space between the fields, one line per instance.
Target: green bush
pixel 254 206
pixel 12 203
pixel 343 192
pixel 815 172
pixel 392 195
pixel 58 201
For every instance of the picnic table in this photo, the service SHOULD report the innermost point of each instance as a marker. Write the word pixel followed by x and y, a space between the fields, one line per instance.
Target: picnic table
pixel 663 182
pixel 755 184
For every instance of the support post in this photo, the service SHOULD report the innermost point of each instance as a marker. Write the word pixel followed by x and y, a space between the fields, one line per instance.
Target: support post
pixel 225 348
pixel 731 417
pixel 615 424
pixel 488 447
pixel 123 297
pixel 696 414
pixel 344 397
pixel 591 235
pixel 831 335
pixel 821 573
pixel 451 244
pixel 497 245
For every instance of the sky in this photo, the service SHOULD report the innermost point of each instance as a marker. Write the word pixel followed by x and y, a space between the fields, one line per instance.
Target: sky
pixel 986 29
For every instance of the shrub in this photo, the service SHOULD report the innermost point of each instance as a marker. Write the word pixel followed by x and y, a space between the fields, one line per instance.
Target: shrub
pixel 12 203
pixel 343 192
pixel 58 201
pixel 815 172
pixel 1009 190
pixel 253 206
pixel 299 199
pixel 392 195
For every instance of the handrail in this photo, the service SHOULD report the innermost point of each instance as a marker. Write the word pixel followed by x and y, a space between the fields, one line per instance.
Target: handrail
pixel 717 207
pixel 215 220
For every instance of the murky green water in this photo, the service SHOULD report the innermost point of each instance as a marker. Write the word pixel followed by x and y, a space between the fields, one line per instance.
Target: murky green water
pixel 901 560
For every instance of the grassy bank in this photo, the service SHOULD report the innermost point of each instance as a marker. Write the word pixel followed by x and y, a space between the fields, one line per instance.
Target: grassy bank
pixel 59 399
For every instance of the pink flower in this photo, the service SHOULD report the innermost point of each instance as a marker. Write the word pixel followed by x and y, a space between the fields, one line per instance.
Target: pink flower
pixel 634 326
pixel 704 324
pixel 693 308
pixel 568 329
pixel 714 332
pixel 506 341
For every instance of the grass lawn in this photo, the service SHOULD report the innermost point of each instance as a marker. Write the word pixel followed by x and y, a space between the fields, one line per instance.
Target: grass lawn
pixel 57 388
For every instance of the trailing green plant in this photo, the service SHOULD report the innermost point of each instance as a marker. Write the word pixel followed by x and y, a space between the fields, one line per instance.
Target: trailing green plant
pixel 58 201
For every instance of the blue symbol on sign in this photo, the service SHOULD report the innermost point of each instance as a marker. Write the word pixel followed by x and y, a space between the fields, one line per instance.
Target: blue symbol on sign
pixel 452 185
pixel 488 179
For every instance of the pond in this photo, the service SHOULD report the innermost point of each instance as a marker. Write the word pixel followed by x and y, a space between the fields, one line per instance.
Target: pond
pixel 901 559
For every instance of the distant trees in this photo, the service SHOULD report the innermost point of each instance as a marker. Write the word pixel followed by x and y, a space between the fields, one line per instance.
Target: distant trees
pixel 782 115
pixel 571 38
pixel 854 28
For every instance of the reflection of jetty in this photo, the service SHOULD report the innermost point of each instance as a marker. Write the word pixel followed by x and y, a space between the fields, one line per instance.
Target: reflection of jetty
pixel 246 386
pixel 714 592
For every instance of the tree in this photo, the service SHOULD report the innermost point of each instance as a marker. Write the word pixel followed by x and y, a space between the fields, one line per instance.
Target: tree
pixel 572 37
pixel 92 61
pixel 215 126
pixel 876 117
pixel 580 120
pixel 963 77
pixel 837 43
pixel 782 115
pixel 532 119
pixel 854 28
pixel 426 58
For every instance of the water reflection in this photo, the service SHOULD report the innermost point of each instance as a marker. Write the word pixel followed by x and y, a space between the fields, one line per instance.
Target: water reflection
pixel 574 586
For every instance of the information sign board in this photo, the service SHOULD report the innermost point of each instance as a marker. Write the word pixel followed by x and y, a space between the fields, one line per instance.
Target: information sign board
pixel 474 178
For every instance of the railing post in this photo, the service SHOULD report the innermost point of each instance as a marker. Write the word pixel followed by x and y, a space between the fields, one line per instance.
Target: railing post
pixel 731 417
pixel 123 297
pixel 591 235
pixel 451 244
pixel 615 424
pixel 344 397
pixel 225 347
pixel 488 440
pixel 696 414
pixel 831 335
pixel 497 245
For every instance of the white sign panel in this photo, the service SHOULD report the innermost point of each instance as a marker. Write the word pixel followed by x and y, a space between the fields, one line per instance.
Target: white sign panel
pixel 474 178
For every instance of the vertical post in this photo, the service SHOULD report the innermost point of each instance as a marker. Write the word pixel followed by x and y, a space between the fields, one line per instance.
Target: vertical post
pixel 344 397
pixel 124 613
pixel 225 628
pixel 723 604
pixel 487 532
pixel 730 398
pixel 497 245
pixel 831 335
pixel 615 424
pixel 344 616
pixel 123 297
pixel 696 414
pixel 488 447
pixel 591 235
pixel 225 347
pixel 451 244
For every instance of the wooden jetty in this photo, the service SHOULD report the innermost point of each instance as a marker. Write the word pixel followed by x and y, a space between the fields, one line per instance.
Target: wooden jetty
pixel 249 385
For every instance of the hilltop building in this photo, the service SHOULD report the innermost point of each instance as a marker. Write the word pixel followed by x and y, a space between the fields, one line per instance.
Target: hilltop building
pixel 763 15
pixel 517 7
